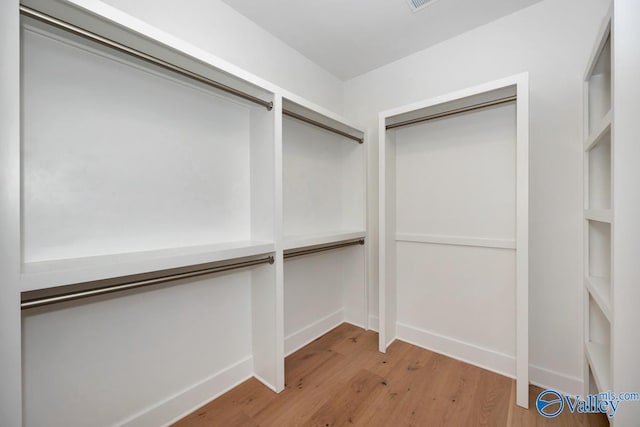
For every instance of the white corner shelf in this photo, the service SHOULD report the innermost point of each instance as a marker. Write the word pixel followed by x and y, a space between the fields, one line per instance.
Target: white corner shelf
pixel 599 249
pixel 599 132
pixel 598 356
pixel 312 239
pixel 600 290
pixel 598 181
pixel 46 274
pixel 598 81
pixel 600 215
pixel 598 344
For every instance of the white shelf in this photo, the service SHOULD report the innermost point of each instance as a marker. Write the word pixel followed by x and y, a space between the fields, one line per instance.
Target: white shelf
pixel 599 360
pixel 599 84
pixel 599 179
pixel 46 274
pixel 598 342
pixel 600 215
pixel 599 132
pixel 599 249
pixel 304 240
pixel 600 290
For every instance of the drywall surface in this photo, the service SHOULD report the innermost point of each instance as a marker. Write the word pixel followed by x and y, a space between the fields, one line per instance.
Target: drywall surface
pixel 116 359
pixel 216 27
pixel 552 41
pixel 146 167
pixel 456 179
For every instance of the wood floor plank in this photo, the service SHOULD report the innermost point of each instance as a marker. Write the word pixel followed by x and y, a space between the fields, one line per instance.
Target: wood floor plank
pixel 420 397
pixel 461 394
pixel 309 385
pixel 383 409
pixel 220 417
pixel 491 401
pixel 341 379
pixel 341 409
pixel 252 396
pixel 304 396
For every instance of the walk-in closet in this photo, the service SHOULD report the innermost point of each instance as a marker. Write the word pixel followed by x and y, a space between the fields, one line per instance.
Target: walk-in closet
pixel 240 213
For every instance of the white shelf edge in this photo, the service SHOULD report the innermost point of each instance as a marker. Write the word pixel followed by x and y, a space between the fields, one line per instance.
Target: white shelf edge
pixel 47 274
pixel 603 33
pixel 595 137
pixel 598 357
pixel 481 242
pixel 600 290
pixel 304 107
pixel 303 240
pixel 600 215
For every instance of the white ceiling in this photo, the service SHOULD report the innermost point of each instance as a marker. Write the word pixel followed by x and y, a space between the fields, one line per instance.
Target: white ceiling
pixel 351 37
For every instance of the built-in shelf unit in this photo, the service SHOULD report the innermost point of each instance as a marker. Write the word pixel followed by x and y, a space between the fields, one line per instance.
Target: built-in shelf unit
pixel 612 209
pixel 598 215
pixel 161 190
pixel 324 223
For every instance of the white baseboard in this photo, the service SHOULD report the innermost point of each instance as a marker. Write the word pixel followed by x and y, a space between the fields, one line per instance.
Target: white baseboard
pixel 493 361
pixel 265 382
pixel 183 403
pixel 546 378
pixel 188 400
pixel 304 336
pixel 500 363
pixel 374 323
pixel 360 323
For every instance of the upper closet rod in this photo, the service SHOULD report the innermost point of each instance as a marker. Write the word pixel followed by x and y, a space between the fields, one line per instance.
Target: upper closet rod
pixel 47 19
pixel 321 125
pixel 452 112
pixel 323 248
pixel 127 283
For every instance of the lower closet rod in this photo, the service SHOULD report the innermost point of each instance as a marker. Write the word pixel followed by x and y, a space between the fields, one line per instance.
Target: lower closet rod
pixel 323 248
pixel 39 302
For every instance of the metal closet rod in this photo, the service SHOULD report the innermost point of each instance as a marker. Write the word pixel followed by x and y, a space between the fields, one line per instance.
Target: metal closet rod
pixel 129 285
pixel 55 22
pixel 453 112
pixel 321 125
pixel 323 248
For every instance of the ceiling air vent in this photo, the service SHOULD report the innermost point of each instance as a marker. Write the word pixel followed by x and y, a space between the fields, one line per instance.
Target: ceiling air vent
pixel 417 5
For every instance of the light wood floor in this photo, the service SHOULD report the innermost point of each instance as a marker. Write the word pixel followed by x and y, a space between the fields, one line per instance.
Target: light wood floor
pixel 341 379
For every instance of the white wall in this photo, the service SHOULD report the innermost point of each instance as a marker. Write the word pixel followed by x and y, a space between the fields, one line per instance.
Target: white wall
pixel 216 27
pixel 552 41
pixel 322 179
pixel 117 359
pixel 175 153
pixel 456 179
pixel 321 291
